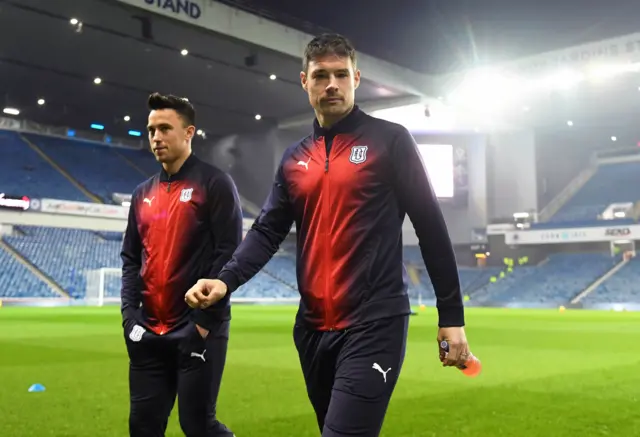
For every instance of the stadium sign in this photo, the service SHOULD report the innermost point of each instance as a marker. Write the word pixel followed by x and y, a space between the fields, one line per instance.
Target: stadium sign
pixel 13 202
pixel 573 235
pixel 620 50
pixel 189 10
pixel 55 206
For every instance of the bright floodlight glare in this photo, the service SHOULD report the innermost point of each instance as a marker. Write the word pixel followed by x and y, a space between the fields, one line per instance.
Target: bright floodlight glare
pixel 413 117
pixel 273 77
pixel 184 52
pixel 127 118
pixel 41 102
pixel 487 91
pixel 11 111
pixel 599 72
pixel 199 132
pixel 73 21
pixel 614 139
pixel 97 81
pixel 258 116
pixel 569 123
pixel 565 79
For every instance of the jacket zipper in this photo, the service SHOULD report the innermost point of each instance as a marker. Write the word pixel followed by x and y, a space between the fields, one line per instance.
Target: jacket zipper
pixel 164 207
pixel 326 204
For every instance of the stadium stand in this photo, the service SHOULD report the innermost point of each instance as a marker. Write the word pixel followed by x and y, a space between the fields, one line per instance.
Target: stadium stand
pixel 16 281
pixel 27 173
pixel 623 287
pixel 64 255
pixel 611 183
pixel 471 279
pixel 557 280
pixel 102 171
pixel 264 285
pixel 99 168
pixel 283 267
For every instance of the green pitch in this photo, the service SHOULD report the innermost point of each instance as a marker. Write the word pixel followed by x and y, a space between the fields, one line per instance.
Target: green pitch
pixel 545 374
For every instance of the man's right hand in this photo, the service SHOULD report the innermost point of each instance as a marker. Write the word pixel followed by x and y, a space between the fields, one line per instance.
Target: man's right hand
pixel 205 293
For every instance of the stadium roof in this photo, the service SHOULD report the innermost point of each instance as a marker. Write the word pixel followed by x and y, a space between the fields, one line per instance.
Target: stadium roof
pixel 135 52
pixel 45 56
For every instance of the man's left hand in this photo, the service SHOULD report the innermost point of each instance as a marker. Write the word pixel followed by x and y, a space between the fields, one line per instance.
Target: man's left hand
pixel 458 346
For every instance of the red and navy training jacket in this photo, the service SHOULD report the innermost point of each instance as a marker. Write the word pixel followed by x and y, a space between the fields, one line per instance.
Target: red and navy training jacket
pixel 348 190
pixel 181 228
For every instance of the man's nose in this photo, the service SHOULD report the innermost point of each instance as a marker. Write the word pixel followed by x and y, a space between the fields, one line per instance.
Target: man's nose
pixel 333 84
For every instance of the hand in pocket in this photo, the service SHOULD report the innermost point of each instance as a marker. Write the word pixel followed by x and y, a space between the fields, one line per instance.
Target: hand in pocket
pixel 202 331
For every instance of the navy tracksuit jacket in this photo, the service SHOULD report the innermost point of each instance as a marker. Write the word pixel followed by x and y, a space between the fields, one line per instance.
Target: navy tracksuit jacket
pixel 181 228
pixel 348 190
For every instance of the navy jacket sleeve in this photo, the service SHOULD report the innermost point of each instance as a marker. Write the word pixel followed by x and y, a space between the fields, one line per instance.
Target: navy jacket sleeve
pixel 264 238
pixel 416 197
pixel 226 221
pixel 131 255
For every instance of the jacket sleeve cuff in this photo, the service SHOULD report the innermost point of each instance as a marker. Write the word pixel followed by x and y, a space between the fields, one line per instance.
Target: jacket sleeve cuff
pixel 451 317
pixel 128 315
pixel 230 279
pixel 201 318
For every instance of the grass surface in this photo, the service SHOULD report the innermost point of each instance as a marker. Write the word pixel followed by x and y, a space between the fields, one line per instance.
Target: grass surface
pixel 546 374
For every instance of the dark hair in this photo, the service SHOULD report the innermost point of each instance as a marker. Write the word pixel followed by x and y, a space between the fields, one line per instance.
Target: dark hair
pixel 179 104
pixel 328 44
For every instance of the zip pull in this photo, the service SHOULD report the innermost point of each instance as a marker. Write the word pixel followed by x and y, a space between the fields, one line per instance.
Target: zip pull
pixel 326 165
pixel 169 187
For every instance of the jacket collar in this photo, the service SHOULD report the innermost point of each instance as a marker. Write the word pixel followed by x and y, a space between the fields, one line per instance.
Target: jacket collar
pixel 188 164
pixel 347 124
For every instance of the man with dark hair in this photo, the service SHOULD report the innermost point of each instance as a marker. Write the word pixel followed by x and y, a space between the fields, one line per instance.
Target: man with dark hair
pixel 184 224
pixel 348 187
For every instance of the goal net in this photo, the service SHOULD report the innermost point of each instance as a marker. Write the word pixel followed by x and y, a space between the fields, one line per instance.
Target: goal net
pixel 103 286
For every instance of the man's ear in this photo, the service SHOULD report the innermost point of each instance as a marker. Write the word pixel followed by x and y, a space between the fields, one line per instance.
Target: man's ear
pixel 303 80
pixel 191 131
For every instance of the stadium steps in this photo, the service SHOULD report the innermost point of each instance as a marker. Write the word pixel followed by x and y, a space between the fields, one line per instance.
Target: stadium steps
pixel 599 281
pixel 567 193
pixel 279 279
pixel 249 207
pixel 131 164
pixel 33 269
pixel 62 171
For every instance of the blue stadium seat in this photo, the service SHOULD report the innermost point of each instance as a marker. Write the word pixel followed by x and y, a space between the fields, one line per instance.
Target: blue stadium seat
pixel 471 278
pixel 97 167
pixel 65 255
pixel 100 168
pixel 263 285
pixel 555 281
pixel 622 287
pixel 612 183
pixel 283 267
pixel 143 159
pixel 16 281
pixel 24 172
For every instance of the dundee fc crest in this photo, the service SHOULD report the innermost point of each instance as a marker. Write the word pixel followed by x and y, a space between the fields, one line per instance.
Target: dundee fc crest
pixel 358 154
pixel 185 195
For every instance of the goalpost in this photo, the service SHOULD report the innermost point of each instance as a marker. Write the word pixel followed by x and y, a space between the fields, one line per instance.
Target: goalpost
pixel 103 287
